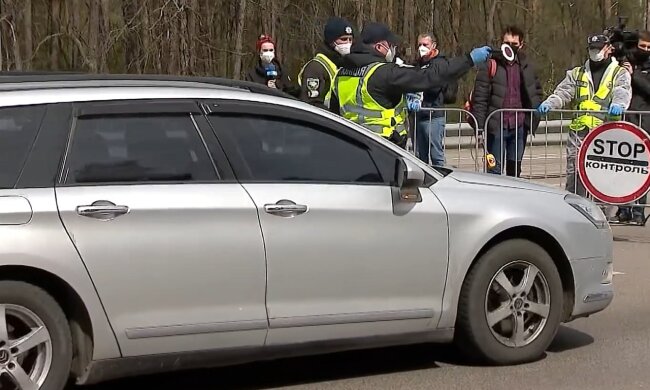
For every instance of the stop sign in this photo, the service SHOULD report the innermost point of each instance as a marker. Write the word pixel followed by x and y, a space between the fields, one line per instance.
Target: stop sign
pixel 613 162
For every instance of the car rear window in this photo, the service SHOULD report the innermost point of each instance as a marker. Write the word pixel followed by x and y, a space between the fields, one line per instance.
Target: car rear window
pixel 18 129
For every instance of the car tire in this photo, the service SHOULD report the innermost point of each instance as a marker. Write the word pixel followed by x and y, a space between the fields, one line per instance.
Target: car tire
pixel 484 300
pixel 23 307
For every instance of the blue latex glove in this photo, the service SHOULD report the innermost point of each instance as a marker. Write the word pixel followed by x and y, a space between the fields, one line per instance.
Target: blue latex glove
pixel 544 108
pixel 480 54
pixel 413 102
pixel 615 109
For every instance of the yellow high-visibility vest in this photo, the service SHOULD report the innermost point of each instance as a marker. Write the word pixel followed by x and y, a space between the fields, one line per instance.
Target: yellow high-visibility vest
pixel 356 104
pixel 331 69
pixel 586 100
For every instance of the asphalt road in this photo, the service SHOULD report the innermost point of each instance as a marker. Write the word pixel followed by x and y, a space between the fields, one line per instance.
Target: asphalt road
pixel 607 351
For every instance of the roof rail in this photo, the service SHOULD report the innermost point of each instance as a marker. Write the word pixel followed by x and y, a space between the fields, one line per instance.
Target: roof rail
pixel 45 76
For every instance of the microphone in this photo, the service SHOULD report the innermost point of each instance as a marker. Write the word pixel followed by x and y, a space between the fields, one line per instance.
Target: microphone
pixel 271 71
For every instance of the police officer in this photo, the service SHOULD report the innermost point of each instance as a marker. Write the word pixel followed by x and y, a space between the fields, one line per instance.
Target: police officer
pixel 369 89
pixel 601 84
pixel 317 75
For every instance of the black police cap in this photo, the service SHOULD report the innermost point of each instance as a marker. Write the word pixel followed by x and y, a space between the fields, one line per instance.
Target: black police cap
pixel 377 32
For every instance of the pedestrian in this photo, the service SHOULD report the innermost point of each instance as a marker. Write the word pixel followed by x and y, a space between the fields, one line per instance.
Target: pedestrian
pixel 610 81
pixel 430 125
pixel 639 67
pixel 513 84
pixel 370 88
pixel 316 77
pixel 267 69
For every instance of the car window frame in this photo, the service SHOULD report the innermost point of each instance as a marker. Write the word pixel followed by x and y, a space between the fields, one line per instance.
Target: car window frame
pixel 140 108
pixel 35 132
pixel 214 109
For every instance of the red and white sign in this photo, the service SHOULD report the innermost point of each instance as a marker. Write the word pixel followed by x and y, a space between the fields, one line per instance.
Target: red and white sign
pixel 613 162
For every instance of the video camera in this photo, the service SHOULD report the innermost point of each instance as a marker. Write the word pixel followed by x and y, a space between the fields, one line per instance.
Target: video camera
pixel 624 41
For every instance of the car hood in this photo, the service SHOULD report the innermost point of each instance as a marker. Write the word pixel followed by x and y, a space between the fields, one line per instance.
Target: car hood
pixel 502 181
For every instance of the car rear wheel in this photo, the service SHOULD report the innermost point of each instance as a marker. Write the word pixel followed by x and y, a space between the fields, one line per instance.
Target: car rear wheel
pixel 510 304
pixel 35 341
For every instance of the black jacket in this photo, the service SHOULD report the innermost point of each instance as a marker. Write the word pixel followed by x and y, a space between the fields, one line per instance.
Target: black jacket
pixel 390 82
pixel 257 74
pixel 641 95
pixel 438 97
pixel 315 81
pixel 489 94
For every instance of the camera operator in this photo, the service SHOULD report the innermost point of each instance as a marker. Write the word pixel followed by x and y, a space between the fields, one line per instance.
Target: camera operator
pixel 640 70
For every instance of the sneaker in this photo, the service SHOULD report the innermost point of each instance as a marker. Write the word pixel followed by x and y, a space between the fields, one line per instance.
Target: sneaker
pixel 639 220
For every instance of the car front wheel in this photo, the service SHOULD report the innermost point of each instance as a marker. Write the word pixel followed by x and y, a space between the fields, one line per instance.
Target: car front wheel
pixel 510 304
pixel 35 342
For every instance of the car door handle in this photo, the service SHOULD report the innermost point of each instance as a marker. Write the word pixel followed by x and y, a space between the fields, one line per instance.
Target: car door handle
pixel 102 210
pixel 285 208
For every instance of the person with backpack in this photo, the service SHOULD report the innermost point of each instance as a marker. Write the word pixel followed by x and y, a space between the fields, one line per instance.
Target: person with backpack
pixel 507 84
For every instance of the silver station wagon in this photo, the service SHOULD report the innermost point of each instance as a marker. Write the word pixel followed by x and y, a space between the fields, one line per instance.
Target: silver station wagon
pixel 152 223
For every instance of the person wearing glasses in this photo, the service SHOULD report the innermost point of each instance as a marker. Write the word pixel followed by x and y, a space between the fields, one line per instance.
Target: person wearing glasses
pixel 317 75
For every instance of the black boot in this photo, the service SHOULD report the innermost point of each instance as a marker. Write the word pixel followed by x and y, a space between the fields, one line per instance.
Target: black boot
pixel 511 167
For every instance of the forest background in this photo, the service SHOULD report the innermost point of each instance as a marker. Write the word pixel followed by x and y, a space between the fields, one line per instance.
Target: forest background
pixel 217 37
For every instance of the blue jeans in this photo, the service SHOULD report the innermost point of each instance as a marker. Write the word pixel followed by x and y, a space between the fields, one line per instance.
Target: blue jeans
pixel 429 138
pixel 504 145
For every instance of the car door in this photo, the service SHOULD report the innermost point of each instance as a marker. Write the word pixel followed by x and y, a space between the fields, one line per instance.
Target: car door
pixel 344 260
pixel 172 243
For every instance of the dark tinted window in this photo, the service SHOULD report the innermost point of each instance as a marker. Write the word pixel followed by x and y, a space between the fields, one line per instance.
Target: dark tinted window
pixel 274 149
pixel 18 128
pixel 137 149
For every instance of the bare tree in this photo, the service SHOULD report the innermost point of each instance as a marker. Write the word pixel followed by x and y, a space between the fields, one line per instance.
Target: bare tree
pixel 26 32
pixel 239 39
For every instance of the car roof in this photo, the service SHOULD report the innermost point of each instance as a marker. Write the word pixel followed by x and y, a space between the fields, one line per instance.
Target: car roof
pixel 16 81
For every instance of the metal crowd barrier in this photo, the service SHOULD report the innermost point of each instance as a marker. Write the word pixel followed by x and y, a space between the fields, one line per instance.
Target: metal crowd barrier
pixel 544 154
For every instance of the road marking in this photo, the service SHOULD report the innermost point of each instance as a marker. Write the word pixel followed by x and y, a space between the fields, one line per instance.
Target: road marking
pixel 618 273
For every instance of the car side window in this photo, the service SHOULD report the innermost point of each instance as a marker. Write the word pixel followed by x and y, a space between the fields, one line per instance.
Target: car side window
pixel 275 149
pixel 18 129
pixel 144 149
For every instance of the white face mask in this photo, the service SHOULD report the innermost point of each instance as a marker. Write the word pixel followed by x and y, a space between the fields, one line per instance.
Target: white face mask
pixel 267 57
pixel 390 55
pixel 343 49
pixel 423 50
pixel 596 55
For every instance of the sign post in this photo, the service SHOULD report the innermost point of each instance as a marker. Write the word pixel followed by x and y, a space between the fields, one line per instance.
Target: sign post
pixel 613 162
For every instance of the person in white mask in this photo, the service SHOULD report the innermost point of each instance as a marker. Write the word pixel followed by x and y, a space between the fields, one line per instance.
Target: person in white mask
pixel 430 126
pixel 268 70
pixel 601 84
pixel 316 76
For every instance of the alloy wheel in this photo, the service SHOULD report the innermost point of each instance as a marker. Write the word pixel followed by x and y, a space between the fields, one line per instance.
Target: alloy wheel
pixel 25 349
pixel 517 304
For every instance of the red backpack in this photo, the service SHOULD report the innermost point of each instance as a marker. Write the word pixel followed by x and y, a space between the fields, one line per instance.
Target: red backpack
pixel 492 70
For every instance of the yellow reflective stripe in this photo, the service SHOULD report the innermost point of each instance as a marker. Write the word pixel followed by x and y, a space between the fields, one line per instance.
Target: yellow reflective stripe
pixel 362 111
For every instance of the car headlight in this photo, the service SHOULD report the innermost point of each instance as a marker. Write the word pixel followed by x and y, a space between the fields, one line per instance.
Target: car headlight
pixel 589 209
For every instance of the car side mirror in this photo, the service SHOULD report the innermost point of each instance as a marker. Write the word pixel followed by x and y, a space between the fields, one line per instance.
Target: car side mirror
pixel 410 178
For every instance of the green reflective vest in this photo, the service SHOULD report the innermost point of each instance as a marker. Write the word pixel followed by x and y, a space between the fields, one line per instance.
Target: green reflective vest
pixel 586 100
pixel 356 104
pixel 331 69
